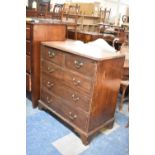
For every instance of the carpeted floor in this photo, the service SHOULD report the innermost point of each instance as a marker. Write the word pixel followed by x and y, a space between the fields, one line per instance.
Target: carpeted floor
pixel 46 135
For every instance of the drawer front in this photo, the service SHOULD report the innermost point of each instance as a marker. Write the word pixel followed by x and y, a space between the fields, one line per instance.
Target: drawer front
pixel 28 32
pixel 28 82
pixel 76 116
pixel 28 47
pixel 51 69
pixel 82 65
pixel 75 98
pixel 28 63
pixel 74 80
pixel 53 55
pixel 78 82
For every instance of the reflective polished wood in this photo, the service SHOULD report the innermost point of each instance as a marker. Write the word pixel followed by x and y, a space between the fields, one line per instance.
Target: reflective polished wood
pixel 80 85
pixel 36 32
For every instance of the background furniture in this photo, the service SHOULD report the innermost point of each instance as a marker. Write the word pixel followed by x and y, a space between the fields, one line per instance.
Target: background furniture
pixel 72 18
pixel 31 13
pixel 80 86
pixel 58 11
pixel 43 8
pixel 90 36
pixel 123 86
pixel 35 34
pixel 83 14
pixel 104 15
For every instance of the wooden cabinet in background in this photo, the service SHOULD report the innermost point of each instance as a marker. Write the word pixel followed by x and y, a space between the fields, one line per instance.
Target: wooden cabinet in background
pixel 80 85
pixel 35 34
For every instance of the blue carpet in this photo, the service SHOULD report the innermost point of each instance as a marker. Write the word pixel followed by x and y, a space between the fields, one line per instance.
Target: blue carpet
pixel 43 129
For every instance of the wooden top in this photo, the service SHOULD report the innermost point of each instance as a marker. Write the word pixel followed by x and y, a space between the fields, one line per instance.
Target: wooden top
pixel 83 49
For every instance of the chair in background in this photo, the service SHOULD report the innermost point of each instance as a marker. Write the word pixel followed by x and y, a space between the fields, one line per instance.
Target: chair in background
pixel 44 8
pixel 104 19
pixel 58 11
pixel 72 18
pixel 104 15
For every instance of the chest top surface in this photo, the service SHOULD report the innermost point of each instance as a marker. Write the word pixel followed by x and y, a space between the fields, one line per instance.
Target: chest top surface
pixel 86 50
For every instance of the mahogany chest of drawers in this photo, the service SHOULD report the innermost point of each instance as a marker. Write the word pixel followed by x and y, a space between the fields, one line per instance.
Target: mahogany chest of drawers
pixel 79 87
pixel 35 33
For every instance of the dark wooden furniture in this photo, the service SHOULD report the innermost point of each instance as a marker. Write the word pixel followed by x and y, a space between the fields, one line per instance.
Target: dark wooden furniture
pixel 43 9
pixel 84 36
pixel 80 85
pixel 124 85
pixel 35 33
pixel 90 36
pixel 72 18
pixel 58 11
pixel 31 13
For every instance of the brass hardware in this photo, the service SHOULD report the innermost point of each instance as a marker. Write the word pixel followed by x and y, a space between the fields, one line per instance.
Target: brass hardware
pixel 78 64
pixel 76 82
pixel 50 70
pixel 50 84
pixel 72 116
pixel 51 54
pixel 75 98
pixel 48 100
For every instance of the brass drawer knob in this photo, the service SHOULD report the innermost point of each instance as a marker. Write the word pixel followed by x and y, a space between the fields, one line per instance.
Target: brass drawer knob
pixel 75 98
pixel 72 116
pixel 49 100
pixel 50 70
pixel 50 84
pixel 76 82
pixel 51 54
pixel 78 64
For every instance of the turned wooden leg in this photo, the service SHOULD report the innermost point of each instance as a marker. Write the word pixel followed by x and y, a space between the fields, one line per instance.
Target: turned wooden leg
pixel 85 139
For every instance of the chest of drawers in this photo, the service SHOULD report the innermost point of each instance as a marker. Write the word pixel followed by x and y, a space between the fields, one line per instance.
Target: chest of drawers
pixel 35 33
pixel 79 88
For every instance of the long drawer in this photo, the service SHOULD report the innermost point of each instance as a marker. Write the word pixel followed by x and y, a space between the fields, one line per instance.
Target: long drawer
pixel 79 64
pixel 73 79
pixel 78 82
pixel 52 69
pixel 28 82
pixel 76 98
pixel 76 116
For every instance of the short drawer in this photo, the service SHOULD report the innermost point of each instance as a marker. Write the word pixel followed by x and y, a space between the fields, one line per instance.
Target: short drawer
pixel 53 55
pixel 28 63
pixel 51 69
pixel 28 32
pixel 73 115
pixel 28 82
pixel 28 47
pixel 76 98
pixel 82 65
